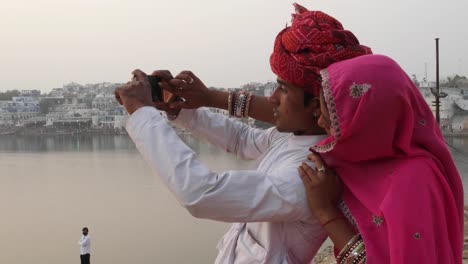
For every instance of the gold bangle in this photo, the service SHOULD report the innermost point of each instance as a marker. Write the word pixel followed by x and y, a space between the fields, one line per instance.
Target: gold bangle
pixel 346 251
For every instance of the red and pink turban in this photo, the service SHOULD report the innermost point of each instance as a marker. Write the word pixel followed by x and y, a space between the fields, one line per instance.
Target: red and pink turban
pixel 313 42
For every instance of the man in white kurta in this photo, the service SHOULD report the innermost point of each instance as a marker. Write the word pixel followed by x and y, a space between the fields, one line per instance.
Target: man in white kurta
pixel 85 247
pixel 268 206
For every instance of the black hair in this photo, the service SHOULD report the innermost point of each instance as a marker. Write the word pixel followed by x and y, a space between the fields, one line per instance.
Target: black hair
pixel 307 98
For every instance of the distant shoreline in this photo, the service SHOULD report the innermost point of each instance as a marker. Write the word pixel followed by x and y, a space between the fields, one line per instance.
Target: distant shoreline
pixel 116 132
pixel 58 132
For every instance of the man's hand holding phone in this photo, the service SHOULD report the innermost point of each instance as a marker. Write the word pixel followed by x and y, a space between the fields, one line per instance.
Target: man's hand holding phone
pixel 135 94
pixel 163 91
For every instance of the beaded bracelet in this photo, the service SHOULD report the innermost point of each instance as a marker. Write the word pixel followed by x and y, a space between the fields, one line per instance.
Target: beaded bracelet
pixel 231 94
pixel 243 104
pixel 241 99
pixel 247 104
pixel 239 103
pixel 235 103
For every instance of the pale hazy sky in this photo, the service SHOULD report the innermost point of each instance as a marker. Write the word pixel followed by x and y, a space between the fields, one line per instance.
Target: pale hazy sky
pixel 46 43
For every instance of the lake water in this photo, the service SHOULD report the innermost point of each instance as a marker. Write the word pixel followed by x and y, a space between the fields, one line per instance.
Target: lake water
pixel 51 187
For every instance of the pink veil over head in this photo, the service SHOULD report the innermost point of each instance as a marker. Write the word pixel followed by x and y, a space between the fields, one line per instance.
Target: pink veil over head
pixel 399 180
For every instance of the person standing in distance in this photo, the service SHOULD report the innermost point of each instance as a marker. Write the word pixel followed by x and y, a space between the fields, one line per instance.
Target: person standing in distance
pixel 85 247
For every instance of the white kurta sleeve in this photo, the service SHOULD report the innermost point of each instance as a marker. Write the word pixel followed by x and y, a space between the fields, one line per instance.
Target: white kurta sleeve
pixel 231 196
pixel 233 136
pixel 84 242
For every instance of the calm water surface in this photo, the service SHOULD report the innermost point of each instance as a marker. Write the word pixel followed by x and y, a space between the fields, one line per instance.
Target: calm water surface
pixel 51 187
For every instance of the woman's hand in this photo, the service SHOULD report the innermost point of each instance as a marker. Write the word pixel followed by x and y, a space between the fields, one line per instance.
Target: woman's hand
pixel 323 189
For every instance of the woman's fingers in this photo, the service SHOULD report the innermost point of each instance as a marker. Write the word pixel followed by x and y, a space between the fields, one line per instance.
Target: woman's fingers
pixel 317 160
pixel 310 173
pixel 319 165
pixel 305 178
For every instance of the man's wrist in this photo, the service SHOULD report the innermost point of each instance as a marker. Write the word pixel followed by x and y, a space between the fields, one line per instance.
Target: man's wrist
pixel 134 107
pixel 211 98
pixel 216 99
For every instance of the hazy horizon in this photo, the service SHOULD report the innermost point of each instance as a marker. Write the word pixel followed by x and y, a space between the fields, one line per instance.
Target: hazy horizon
pixel 48 43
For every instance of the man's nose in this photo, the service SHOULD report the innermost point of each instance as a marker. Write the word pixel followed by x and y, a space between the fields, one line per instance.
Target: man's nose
pixel 273 98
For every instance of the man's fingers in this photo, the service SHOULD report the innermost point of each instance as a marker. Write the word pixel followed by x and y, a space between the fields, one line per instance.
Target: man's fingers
pixel 168 87
pixel 190 73
pixel 192 76
pixel 179 105
pixel 163 74
pixel 140 76
pixel 178 85
pixel 162 106
pixel 185 78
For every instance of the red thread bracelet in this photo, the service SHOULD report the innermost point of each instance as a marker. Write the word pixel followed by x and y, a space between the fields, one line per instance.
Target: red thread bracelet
pixel 334 219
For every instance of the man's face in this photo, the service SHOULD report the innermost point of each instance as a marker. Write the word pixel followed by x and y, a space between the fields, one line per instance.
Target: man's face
pixel 85 231
pixel 290 113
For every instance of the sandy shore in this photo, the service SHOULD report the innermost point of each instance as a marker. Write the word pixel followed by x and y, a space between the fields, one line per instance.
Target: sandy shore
pixel 325 256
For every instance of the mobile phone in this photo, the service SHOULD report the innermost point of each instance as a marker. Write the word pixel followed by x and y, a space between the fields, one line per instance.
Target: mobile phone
pixel 156 91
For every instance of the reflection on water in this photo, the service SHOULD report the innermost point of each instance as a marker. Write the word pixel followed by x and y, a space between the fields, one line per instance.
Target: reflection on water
pixel 104 143
pixel 460 143
pixel 50 187
pixel 83 143
pixel 459 148
pixel 64 143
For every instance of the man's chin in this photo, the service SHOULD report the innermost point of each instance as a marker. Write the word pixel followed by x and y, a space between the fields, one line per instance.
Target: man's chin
pixel 281 129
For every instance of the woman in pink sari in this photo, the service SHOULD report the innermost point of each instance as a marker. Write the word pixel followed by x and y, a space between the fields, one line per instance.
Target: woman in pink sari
pixel 401 195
